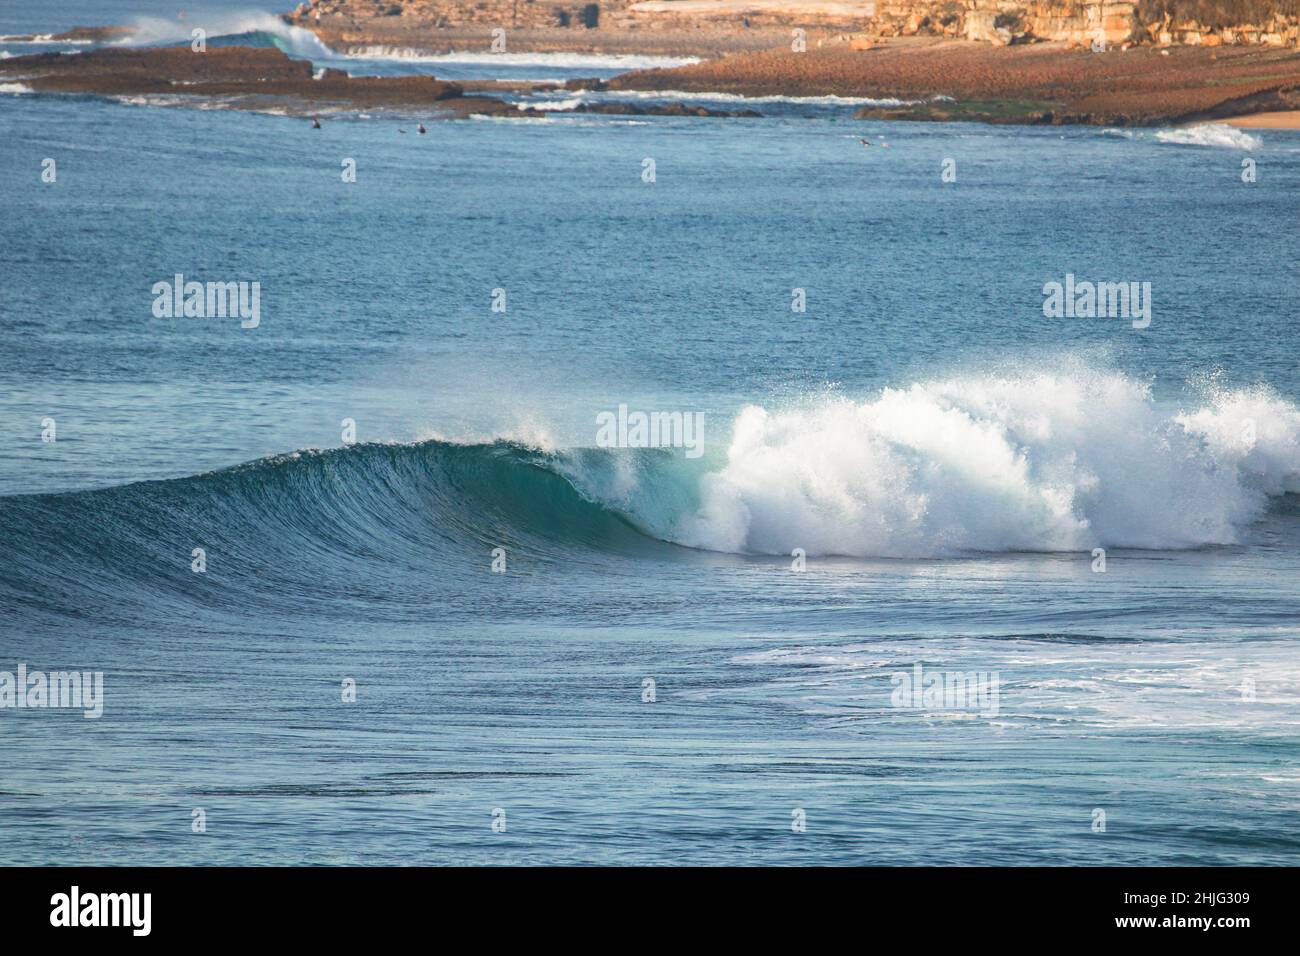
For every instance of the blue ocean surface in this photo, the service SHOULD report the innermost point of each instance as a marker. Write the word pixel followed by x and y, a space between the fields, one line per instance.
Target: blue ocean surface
pixel 367 582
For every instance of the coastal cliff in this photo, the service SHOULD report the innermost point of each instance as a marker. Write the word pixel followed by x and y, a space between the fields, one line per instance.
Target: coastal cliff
pixel 1274 23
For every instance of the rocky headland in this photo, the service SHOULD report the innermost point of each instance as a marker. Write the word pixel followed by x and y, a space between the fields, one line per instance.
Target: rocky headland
pixel 999 61
pixel 1033 83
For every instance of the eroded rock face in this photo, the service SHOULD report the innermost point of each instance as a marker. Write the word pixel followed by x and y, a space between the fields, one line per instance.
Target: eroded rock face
pixel 1004 22
pixel 1023 83
pixel 424 14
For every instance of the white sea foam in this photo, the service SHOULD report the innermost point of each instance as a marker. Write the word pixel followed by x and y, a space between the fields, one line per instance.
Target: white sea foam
pixel 578 61
pixel 489 118
pixel 1210 134
pixel 557 106
pixel 17 89
pixel 1061 460
pixel 42 39
pixel 737 98
pixel 183 100
pixel 153 99
pixel 1207 134
pixel 1101 684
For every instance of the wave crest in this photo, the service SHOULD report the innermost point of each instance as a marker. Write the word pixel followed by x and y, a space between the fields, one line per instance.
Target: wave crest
pixel 1062 460
pixel 260 27
pixel 1039 462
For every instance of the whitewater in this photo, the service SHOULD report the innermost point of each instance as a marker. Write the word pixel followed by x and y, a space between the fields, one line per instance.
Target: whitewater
pixel 1040 462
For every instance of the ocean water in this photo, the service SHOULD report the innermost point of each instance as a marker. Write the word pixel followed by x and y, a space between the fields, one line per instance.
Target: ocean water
pixel 649 679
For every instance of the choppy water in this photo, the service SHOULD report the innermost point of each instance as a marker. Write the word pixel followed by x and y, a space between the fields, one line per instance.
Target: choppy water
pixel 944 455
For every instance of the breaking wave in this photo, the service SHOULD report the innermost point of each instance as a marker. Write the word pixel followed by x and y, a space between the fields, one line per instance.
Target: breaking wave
pixel 1048 461
pixel 1041 461
pixel 1217 135
pixel 251 29
pixel 1210 134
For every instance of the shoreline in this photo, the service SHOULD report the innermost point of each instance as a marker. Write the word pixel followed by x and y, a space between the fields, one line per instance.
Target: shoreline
pixel 747 52
pixel 916 78
pixel 704 42
pixel 263 78
pixel 1042 83
pixel 253 78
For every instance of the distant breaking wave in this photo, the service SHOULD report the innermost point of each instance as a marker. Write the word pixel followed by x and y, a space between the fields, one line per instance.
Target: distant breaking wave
pixel 42 39
pixel 1218 135
pixel 263 28
pixel 1210 134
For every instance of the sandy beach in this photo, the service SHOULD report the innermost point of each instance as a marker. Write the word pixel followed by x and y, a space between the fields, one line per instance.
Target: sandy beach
pixel 1289 119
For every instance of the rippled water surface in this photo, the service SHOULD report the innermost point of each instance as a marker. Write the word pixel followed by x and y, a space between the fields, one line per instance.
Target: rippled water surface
pixel 649 680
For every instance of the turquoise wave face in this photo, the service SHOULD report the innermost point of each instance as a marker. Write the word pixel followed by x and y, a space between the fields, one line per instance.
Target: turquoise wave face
pixel 378 516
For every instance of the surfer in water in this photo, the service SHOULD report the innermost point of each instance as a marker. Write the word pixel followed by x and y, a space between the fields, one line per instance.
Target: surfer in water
pixel 315 122
pixel 421 129
pixel 864 142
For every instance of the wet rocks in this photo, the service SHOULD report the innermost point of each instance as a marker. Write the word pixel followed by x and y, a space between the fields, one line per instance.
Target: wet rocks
pixel 234 72
pixel 665 109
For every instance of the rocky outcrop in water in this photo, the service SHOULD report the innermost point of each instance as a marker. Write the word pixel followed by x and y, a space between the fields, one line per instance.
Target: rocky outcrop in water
pixel 242 76
pixel 1026 83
